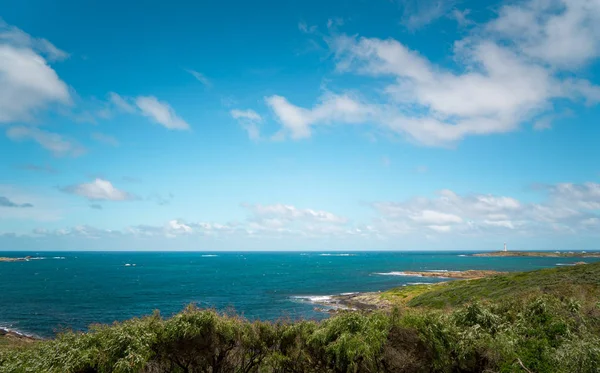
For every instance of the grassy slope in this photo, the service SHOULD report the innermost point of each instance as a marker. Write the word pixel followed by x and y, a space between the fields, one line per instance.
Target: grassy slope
pixel 581 282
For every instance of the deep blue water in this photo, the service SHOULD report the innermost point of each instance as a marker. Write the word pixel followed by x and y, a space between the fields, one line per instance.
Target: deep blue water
pixel 74 289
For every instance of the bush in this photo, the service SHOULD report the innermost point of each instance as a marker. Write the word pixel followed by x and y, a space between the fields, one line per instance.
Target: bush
pixel 545 334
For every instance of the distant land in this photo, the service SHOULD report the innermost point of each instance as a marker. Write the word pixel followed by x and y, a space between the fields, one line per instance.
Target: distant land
pixel 548 254
pixel 6 259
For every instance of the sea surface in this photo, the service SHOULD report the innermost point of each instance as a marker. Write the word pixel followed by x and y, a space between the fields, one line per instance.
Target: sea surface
pixel 71 290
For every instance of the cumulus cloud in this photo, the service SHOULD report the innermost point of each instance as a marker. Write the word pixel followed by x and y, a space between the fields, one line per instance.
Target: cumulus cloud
pixel 511 71
pixel 57 144
pixel 200 77
pixel 99 190
pixel 250 121
pixel 5 202
pixel 28 83
pixel 160 112
pixel 569 207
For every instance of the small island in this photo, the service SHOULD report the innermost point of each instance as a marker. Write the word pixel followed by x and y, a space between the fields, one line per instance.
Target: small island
pixel 7 259
pixel 546 254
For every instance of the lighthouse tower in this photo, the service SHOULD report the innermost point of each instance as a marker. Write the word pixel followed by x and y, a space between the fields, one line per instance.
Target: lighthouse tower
pixel 505 246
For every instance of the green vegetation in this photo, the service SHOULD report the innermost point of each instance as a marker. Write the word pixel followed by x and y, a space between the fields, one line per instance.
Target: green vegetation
pixel 581 282
pixel 540 328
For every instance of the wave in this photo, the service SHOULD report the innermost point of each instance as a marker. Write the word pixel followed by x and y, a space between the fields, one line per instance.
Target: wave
pixel 8 329
pixel 394 273
pixel 462 255
pixel 37 258
pixel 337 254
pixel 438 270
pixel 129 265
pixel 565 264
pixel 208 255
pixel 313 298
pixel 58 257
pixel 351 293
pixel 419 283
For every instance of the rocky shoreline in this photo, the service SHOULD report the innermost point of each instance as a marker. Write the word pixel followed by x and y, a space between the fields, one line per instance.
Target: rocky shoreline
pixel 370 301
pixel 468 274
pixel 546 254
pixel 12 338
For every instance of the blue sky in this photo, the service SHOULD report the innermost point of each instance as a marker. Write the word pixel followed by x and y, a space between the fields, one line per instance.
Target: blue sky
pixel 298 125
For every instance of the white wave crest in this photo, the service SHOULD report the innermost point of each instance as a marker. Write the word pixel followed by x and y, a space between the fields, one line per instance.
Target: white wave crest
pixel 337 254
pixel 209 255
pixel 313 298
pixel 396 274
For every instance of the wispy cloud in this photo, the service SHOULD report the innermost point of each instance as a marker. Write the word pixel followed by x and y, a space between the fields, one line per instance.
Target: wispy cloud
pixel 419 13
pixel 200 77
pixel 57 144
pixel 17 37
pixel 99 190
pixel 160 112
pixel 250 121
pixel 121 103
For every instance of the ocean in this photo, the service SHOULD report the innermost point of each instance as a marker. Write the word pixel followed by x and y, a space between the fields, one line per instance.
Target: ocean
pixel 71 290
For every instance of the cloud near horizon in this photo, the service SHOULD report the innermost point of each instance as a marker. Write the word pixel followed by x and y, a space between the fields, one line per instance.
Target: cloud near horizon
pixel 568 209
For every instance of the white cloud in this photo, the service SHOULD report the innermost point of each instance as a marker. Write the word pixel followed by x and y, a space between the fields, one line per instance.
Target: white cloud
pixel 250 121
pixel 160 112
pixel 28 84
pixel 510 71
pixel 332 108
pixel 562 33
pixel 568 206
pixel 419 13
pixel 121 103
pixel 53 142
pixel 20 39
pixel 569 209
pixel 291 213
pixel 99 190
pixel 200 77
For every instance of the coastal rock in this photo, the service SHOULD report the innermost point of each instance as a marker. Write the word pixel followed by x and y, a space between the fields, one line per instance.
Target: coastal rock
pixel 6 259
pixel 469 274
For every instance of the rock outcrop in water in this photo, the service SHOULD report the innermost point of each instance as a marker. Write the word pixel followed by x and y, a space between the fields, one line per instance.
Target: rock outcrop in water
pixel 7 259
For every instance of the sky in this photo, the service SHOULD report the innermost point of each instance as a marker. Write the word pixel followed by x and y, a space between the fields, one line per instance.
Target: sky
pixel 299 125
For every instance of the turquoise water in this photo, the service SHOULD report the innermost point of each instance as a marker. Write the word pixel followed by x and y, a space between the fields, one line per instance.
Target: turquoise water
pixel 65 290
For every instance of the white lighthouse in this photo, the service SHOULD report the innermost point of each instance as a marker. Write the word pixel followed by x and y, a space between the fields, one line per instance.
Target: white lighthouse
pixel 505 247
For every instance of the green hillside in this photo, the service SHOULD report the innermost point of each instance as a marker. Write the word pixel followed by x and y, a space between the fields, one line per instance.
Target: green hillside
pixel 581 282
